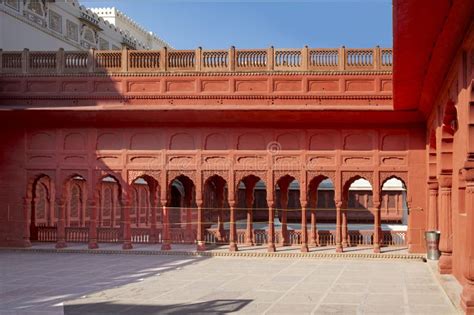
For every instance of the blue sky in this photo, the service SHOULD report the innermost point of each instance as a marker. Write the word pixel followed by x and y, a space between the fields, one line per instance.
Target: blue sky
pixel 214 24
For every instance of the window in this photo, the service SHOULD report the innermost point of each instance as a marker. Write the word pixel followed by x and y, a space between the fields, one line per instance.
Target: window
pixel 72 31
pixel 55 22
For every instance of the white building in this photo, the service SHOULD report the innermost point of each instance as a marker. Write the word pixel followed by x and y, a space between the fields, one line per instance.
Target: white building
pixel 50 25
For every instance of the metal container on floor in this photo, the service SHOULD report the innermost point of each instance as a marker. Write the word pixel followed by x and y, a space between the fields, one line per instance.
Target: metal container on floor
pixel 432 244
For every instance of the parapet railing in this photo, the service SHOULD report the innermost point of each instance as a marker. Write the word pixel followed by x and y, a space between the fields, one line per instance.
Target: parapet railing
pixel 198 60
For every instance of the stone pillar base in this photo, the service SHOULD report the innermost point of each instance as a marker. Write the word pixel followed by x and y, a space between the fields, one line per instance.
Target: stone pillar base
pixel 339 249
pixel 377 249
pixel 249 243
pixel 93 245
pixel 271 248
pixel 201 246
pixel 61 244
pixel 166 246
pixel 233 247
pixel 467 298
pixel 445 264
pixel 304 248
pixel 127 245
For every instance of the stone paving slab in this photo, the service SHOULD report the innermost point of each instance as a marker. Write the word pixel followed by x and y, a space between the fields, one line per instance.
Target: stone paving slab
pixel 45 283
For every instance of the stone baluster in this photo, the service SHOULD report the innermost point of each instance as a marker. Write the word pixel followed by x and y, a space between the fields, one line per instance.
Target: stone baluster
pixel 445 224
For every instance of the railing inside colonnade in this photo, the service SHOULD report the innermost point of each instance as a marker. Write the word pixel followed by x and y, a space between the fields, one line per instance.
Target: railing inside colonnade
pixel 198 60
pixel 216 230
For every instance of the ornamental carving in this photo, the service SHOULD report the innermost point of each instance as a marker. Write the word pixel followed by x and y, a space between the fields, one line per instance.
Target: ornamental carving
pixel 348 176
pixel 384 176
pixel 134 174
pixel 279 174
pixel 310 175
pixel 208 174
pixel 239 175
pixel 171 175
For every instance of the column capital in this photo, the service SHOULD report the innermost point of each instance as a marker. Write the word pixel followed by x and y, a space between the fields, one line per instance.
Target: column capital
pixel 433 186
pixel 445 181
pixel 467 174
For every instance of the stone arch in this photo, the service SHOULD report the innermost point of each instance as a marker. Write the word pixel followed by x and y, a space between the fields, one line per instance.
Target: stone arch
pixel 215 201
pixel 144 192
pixel 40 201
pixel 393 199
pixel 109 197
pixel 251 141
pixel 75 201
pixel 74 141
pixel 216 141
pixel 182 141
pixel 182 203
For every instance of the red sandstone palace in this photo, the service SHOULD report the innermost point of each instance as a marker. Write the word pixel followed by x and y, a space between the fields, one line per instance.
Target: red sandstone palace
pixel 197 146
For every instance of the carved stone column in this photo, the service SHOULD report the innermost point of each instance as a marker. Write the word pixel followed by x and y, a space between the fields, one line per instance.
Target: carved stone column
pixel 61 229
pixel 93 205
pixel 467 296
pixel 27 212
pixel 125 204
pixel 377 226
pixel 433 206
pixel 201 244
pixel 339 248
pixel 232 228
pixel 445 224
pixel 189 235
pixel 345 231
pixel 313 238
pixel 166 243
pixel 271 226
pixel 153 225
pixel 284 210
pixel 220 234
pixel 304 230
pixel 249 199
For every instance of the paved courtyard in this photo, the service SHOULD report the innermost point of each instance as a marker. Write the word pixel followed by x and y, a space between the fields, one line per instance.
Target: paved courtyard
pixel 47 283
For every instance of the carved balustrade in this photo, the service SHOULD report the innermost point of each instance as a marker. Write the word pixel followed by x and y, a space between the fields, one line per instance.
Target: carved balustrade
pixel 240 60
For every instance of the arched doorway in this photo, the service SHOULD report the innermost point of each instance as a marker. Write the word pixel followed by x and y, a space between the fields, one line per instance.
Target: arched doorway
pixel 182 214
pixel 214 214
pixel 43 219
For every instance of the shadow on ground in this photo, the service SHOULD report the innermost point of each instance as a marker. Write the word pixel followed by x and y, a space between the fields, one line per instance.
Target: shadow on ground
pixel 207 307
